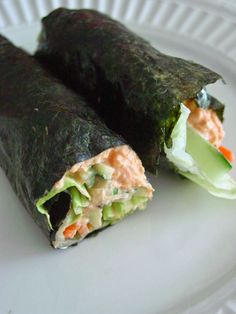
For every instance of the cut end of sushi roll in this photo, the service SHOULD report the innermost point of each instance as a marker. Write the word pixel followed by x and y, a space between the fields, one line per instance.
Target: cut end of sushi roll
pixel 196 149
pixel 94 194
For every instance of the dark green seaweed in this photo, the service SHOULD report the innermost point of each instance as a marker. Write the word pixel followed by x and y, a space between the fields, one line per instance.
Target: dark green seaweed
pixel 44 129
pixel 134 87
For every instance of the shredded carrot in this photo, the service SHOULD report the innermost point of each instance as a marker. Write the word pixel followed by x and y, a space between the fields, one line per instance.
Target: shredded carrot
pixel 82 229
pixel 227 153
pixel 90 226
pixel 70 231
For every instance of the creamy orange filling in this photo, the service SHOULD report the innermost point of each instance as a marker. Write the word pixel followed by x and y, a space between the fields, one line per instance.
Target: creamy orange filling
pixel 129 172
pixel 127 177
pixel 206 122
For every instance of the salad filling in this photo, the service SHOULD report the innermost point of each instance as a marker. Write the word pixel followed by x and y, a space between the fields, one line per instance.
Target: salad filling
pixel 197 149
pixel 94 194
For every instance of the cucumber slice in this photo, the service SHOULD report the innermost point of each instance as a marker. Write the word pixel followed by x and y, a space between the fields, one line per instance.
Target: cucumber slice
pixel 139 200
pixel 117 210
pixel 207 157
pixel 115 191
pixel 89 177
pixel 122 208
pixel 141 192
pixel 107 213
pixel 104 171
pixel 78 200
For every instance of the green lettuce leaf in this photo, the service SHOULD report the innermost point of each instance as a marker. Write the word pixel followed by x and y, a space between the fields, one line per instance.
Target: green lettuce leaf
pixel 68 183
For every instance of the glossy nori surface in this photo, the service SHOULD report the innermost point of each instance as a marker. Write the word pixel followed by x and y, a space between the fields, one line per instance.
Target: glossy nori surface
pixel 44 128
pixel 134 87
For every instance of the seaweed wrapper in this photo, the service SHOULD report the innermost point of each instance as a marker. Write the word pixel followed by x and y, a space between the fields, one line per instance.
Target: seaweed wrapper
pixel 44 129
pixel 134 87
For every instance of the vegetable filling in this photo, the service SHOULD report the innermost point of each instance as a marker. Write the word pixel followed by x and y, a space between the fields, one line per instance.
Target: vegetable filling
pixel 94 194
pixel 197 151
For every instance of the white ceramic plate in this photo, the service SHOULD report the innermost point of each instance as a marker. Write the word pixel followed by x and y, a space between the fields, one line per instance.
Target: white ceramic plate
pixel 176 257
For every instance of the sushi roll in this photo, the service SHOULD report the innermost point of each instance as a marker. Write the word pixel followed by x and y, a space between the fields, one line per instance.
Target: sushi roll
pixel 72 174
pixel 157 102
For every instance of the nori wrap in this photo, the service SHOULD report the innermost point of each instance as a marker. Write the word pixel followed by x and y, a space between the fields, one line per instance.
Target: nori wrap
pixel 140 92
pixel 54 150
